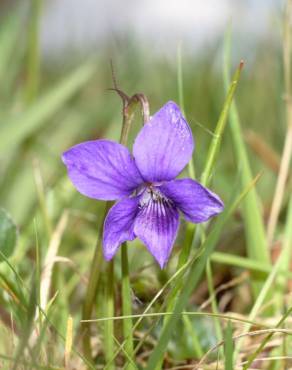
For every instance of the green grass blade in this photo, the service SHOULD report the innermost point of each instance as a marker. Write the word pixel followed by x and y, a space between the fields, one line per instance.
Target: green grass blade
pixel 245 263
pixel 220 127
pixel 210 161
pixel 193 278
pixel 257 249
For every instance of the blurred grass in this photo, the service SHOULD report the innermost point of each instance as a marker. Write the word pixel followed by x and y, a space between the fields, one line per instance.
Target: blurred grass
pixel 44 108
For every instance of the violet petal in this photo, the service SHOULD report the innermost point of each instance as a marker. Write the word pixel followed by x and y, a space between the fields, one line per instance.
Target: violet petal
pixel 119 225
pixel 102 169
pixel 156 225
pixel 164 145
pixel 196 202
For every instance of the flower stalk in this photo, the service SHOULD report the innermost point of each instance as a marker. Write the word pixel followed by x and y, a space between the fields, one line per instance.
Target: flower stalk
pixel 128 116
pixel 94 275
pixel 109 311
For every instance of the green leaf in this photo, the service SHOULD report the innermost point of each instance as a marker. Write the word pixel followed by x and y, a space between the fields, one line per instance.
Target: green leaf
pixel 8 234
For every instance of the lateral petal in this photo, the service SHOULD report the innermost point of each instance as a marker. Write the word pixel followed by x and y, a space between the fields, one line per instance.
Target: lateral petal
pixel 102 169
pixel 195 201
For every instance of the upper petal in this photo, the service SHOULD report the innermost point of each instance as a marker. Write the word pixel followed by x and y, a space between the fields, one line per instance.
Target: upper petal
pixel 102 169
pixel 156 225
pixel 164 145
pixel 119 225
pixel 196 202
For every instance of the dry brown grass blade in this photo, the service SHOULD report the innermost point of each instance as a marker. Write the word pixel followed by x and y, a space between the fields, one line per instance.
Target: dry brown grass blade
pixel 50 259
pixel 262 149
pixel 69 341
pixel 49 262
pixel 248 334
pixel 287 151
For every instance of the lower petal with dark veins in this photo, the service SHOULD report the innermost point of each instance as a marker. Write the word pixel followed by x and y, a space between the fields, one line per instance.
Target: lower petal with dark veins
pixel 156 225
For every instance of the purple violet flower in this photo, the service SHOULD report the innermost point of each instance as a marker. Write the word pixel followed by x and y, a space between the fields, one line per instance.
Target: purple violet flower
pixel 149 198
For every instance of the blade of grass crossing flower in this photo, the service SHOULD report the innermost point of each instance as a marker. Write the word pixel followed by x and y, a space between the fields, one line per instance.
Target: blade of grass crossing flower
pixel 211 157
pixel 193 278
pixel 228 347
pixel 212 153
pixel 254 228
pixel 205 179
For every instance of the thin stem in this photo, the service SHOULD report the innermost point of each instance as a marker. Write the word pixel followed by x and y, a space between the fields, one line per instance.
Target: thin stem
pixel 127 306
pixel 128 116
pixel 109 311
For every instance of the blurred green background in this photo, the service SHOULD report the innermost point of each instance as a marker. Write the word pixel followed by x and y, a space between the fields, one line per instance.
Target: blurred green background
pixel 53 97
pixel 55 77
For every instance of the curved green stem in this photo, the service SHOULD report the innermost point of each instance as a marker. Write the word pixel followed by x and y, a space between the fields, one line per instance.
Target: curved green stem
pixel 128 116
